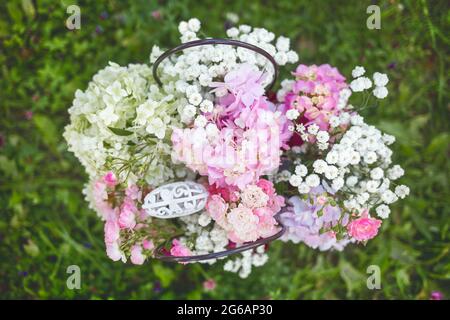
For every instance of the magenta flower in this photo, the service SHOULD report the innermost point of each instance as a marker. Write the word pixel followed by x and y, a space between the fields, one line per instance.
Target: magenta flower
pixel 436 295
pixel 110 179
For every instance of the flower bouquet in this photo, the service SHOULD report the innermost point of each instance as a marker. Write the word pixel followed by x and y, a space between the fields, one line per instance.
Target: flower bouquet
pixel 185 154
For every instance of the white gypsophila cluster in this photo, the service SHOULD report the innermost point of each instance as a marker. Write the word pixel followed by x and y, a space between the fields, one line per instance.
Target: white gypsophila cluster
pixel 313 133
pixel 123 119
pixel 204 235
pixel 192 72
pixel 359 167
pixel 286 86
pixel 282 176
pixel 361 83
pixel 320 138
pixel 248 259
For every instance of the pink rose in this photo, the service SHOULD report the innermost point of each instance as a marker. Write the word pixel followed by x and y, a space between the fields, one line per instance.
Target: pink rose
pixel 133 192
pixel 363 228
pixel 179 250
pixel 110 179
pixel 275 203
pixel 99 191
pixel 217 208
pixel 136 255
pixel 113 251
pixel 267 224
pixel 127 217
pixel 100 195
pixel 112 231
pixel 148 244
pixel 243 224
pixel 228 193
pixel 266 186
pixel 254 197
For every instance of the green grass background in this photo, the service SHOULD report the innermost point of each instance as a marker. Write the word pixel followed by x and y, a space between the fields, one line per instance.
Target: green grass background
pixel 45 224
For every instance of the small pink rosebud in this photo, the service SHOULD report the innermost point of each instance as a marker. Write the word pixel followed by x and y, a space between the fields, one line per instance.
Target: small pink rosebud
pixel 110 179
pixel 209 285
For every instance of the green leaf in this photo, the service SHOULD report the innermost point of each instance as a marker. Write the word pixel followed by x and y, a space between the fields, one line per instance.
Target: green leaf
pixel 120 132
pixel 31 248
pixel 439 144
pixel 352 277
pixel 8 167
pixel 164 274
pixel 47 129
pixel 402 278
pixel 28 7
pixel 14 12
pixel 420 223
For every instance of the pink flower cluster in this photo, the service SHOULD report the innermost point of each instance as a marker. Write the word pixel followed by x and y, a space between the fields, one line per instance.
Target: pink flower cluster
pixel 246 214
pixel 232 156
pixel 316 94
pixel 242 139
pixel 124 216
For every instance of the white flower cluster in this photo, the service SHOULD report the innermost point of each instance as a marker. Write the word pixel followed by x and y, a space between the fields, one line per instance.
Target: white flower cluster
pixel 250 258
pixel 361 83
pixel 204 235
pixel 312 133
pixel 123 115
pixel 359 168
pixel 190 74
pixel 282 176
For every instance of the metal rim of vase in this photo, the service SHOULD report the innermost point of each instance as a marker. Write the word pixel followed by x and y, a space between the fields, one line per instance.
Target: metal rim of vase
pixel 215 41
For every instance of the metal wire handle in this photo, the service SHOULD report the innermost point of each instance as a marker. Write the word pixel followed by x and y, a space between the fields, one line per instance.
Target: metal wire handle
pixel 213 41
pixel 158 253
pixel 215 255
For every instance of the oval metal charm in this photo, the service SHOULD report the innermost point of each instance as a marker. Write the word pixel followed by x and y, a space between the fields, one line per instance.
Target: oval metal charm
pixel 176 199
